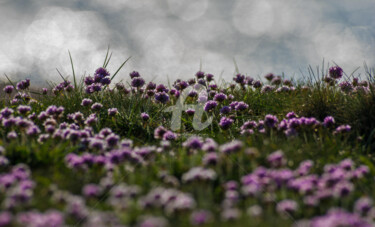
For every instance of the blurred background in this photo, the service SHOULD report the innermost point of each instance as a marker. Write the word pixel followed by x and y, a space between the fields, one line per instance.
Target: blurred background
pixel 171 39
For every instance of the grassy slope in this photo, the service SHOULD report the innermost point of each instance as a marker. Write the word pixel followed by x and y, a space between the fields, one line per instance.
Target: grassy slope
pixel 46 161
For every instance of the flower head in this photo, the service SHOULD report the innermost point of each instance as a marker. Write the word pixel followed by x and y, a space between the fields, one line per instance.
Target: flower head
pixel 335 72
pixel 225 123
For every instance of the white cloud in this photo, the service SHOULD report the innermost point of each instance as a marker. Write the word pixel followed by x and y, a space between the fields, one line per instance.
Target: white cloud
pixel 169 37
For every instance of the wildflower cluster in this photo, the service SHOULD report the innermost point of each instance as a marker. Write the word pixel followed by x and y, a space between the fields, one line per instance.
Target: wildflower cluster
pixel 111 158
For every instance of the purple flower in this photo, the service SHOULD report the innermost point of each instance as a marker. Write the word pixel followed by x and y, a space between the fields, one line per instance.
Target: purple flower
pixel 220 97
pixel 105 81
pixel 23 84
pixel 88 80
pixel 269 76
pixel 363 205
pixel 201 217
pixel 6 112
pixel 257 84
pixel 342 129
pixel 102 72
pixel 304 167
pixel 210 159
pixel 44 91
pixel 96 144
pixel 199 74
pixel 137 82
pixel 329 121
pixel 161 88
pixel 7 123
pixel 145 116
pixel 346 86
pixel 249 80
pixel 134 74
pixel 231 147
pixel 112 112
pixel 112 140
pixel 240 79
pixel 151 86
pixel 181 85
pixel 241 106
pixel 210 105
pixel 5 218
pixel 96 106
pixel 162 97
pixel 335 72
pixel 276 159
pixel 193 93
pixel 225 123
pixel 287 205
pixel 343 189
pixel 47 219
pixel 150 221
pixel 159 132
pixel 336 217
pixel 209 145
pixel 287 82
pixel 270 121
pixel 276 80
pixel 283 89
pixel 169 135
pixel 120 86
pixel 202 82
pixel 91 190
pixel 199 174
pixel 8 89
pixel 249 125
pixel 3 162
pixel 86 102
pixel 267 89
pixel 194 143
pixel 32 131
pixel 231 185
pixel 209 77
pixel 190 112
pixel 23 123
pixel 225 110
pixel 23 109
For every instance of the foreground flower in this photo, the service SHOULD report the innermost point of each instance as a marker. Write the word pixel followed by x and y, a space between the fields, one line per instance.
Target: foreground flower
pixel 210 105
pixel 335 72
pixel 201 217
pixel 199 174
pixel 8 89
pixel 162 97
pixel 145 116
pixel 112 112
pixel 225 123
pixel 137 82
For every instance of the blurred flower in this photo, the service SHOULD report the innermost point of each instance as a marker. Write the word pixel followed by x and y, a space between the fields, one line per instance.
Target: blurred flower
pixel 335 72
pixel 225 123
pixel 201 217
pixel 8 89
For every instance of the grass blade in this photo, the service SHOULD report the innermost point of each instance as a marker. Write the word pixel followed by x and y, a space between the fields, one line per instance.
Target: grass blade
pixel 113 76
pixel 74 74
pixel 110 56
pixel 106 56
pixel 61 75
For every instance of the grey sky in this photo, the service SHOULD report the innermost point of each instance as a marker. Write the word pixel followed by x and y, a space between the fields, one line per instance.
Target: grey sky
pixel 169 38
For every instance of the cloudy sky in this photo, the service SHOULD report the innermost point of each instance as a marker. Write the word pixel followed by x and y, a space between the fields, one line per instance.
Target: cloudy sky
pixel 173 38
